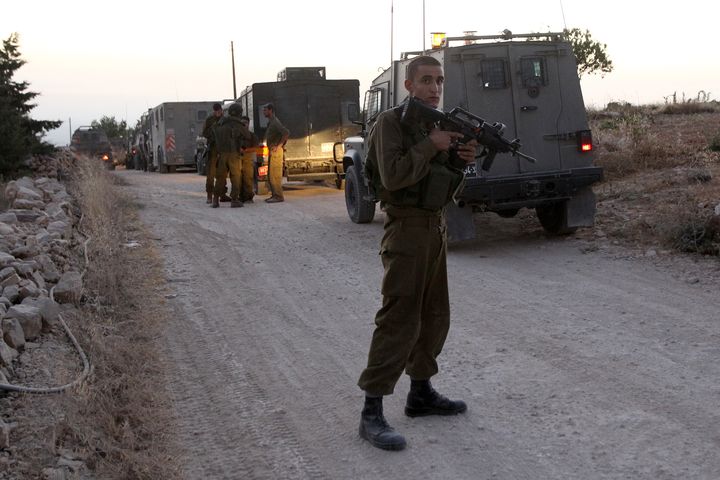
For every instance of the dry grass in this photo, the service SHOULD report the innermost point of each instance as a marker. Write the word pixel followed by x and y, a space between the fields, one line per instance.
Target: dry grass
pixel 662 176
pixel 119 419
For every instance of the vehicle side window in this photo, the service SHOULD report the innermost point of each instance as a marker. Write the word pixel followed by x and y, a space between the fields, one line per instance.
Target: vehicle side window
pixel 533 72
pixel 493 73
pixel 353 112
pixel 201 114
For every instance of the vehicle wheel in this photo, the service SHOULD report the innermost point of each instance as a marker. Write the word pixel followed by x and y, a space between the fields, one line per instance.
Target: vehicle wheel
pixel 359 209
pixel 553 219
pixel 199 167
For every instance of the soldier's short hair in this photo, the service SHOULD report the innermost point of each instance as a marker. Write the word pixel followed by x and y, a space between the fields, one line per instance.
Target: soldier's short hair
pixel 412 67
pixel 269 106
pixel 217 107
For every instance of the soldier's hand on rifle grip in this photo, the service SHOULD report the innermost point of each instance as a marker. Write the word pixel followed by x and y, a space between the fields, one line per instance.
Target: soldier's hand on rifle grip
pixel 443 139
pixel 467 151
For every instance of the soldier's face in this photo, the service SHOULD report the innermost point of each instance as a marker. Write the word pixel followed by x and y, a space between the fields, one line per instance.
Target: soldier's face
pixel 217 113
pixel 427 84
pixel 267 112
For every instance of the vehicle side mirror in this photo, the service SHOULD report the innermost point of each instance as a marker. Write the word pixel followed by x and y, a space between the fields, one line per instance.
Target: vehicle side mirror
pixel 353 113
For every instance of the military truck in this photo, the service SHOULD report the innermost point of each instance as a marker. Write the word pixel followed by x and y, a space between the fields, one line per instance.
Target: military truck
pixel 529 83
pixel 93 143
pixel 318 112
pixel 174 128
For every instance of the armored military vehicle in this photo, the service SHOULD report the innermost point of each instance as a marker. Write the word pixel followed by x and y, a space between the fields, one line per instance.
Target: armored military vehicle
pixel 174 128
pixel 94 143
pixel 527 82
pixel 318 112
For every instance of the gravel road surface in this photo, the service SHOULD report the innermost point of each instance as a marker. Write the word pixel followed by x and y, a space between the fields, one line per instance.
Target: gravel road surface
pixel 578 359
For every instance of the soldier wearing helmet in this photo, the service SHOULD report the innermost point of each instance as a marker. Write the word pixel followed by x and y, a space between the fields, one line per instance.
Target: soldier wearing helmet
pixel 232 137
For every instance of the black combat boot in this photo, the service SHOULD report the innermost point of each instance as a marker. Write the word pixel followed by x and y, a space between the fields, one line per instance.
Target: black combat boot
pixel 235 203
pixel 423 400
pixel 209 198
pixel 375 429
pixel 215 201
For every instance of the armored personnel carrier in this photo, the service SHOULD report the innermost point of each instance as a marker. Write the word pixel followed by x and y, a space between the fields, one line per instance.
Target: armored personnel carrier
pixel 527 82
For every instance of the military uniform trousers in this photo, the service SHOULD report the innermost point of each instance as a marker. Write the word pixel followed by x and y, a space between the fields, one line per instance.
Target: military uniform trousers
pixel 247 183
pixel 229 162
pixel 275 170
pixel 212 163
pixel 413 322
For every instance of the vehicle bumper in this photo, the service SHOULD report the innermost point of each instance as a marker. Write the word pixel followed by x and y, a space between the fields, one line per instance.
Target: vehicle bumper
pixel 530 190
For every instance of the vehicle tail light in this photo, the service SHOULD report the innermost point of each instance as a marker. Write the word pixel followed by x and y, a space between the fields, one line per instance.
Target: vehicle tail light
pixel 262 171
pixel 105 157
pixel 584 141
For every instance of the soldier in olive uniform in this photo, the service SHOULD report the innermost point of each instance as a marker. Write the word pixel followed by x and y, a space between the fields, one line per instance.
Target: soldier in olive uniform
pixel 249 168
pixel 414 177
pixel 276 136
pixel 231 137
pixel 210 122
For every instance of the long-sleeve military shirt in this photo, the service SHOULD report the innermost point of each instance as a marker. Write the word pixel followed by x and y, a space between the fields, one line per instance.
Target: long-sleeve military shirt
pixel 399 166
pixel 210 122
pixel 231 135
pixel 275 132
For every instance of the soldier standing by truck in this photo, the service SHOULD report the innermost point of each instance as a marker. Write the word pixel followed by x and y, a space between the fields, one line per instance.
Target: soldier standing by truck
pixel 249 168
pixel 276 136
pixel 210 122
pixel 231 137
pixel 414 177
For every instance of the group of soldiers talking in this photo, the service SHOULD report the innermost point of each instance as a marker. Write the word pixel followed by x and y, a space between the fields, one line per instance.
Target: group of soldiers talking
pixel 231 151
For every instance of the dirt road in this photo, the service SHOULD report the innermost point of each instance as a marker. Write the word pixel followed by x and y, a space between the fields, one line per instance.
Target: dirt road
pixel 578 360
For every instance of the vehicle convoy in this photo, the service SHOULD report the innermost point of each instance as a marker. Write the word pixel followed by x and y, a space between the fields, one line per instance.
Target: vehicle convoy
pixel 94 143
pixel 524 87
pixel 174 128
pixel 317 111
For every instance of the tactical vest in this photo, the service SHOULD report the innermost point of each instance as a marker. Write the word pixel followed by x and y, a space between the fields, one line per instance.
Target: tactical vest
pixel 433 192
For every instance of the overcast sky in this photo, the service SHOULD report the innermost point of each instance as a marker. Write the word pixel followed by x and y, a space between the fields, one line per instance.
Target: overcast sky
pixel 87 60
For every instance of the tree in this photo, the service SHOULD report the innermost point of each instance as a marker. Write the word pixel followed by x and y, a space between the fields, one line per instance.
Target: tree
pixel 591 55
pixel 113 129
pixel 21 135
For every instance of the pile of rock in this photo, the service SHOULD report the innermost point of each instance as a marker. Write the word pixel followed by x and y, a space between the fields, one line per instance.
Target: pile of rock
pixel 55 166
pixel 37 239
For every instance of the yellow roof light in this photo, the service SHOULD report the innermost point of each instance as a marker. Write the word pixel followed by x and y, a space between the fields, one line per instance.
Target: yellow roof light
pixel 438 39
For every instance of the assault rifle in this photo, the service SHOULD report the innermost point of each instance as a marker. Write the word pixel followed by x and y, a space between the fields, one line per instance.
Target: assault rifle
pixel 490 136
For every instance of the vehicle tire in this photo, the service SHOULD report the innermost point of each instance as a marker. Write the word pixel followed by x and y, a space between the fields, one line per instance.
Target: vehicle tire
pixel 359 209
pixel 553 219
